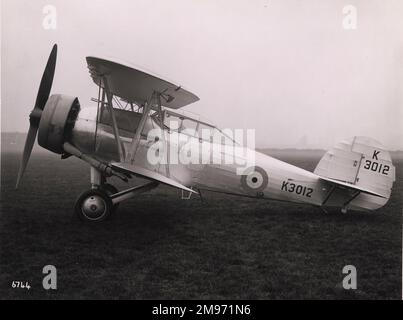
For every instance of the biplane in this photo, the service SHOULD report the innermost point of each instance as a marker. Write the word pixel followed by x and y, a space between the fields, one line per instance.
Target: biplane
pixel 133 119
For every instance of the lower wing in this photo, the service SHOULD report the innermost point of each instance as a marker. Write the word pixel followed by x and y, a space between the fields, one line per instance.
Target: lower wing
pixel 148 174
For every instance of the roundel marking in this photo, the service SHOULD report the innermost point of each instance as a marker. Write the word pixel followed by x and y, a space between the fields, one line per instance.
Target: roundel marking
pixel 255 179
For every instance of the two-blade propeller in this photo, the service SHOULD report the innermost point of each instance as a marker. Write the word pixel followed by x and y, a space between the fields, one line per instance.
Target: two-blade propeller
pixel 35 116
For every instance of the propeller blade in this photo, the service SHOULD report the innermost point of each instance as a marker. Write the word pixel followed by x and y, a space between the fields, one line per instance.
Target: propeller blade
pixel 35 116
pixel 29 143
pixel 47 80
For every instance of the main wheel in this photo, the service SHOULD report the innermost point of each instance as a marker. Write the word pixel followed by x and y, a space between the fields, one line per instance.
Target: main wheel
pixel 110 189
pixel 93 206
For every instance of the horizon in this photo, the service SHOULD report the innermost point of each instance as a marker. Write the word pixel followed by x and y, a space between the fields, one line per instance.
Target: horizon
pixel 257 148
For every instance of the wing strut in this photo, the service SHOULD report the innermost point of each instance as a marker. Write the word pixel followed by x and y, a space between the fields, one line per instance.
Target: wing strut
pixel 164 140
pixel 119 143
pixel 155 100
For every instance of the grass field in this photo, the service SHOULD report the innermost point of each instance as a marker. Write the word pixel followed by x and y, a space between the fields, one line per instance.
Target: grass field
pixel 159 246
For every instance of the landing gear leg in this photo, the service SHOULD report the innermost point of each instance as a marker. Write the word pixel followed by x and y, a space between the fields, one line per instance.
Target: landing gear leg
pixel 95 205
pixel 96 178
pixel 98 181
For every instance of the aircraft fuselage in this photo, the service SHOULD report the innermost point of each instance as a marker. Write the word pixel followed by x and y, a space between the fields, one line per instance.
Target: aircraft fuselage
pixel 268 178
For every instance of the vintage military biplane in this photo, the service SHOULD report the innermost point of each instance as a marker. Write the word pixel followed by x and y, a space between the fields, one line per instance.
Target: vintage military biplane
pixel 114 139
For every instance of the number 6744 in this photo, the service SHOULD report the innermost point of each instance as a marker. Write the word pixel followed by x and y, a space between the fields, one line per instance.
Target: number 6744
pixel 21 285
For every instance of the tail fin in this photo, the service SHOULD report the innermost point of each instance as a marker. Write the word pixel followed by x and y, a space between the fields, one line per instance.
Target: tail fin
pixel 362 162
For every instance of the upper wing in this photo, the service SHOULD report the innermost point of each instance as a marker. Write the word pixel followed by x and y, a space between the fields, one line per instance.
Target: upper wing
pixel 137 86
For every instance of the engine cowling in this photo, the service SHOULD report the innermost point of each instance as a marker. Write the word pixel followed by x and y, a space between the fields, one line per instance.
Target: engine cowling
pixel 57 121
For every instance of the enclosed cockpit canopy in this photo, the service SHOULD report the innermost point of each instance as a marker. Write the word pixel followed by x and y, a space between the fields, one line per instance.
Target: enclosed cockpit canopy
pixel 182 122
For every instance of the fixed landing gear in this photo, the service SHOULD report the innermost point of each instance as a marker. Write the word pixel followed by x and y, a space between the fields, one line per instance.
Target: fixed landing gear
pixel 96 205
pixel 99 203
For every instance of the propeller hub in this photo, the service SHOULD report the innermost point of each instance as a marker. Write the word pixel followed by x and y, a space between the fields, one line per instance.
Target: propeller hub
pixel 35 117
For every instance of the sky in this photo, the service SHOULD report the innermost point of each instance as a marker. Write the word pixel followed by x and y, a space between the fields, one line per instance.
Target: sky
pixel 301 73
